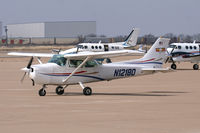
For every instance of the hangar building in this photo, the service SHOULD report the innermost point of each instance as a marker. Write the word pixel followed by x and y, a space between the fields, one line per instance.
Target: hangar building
pixel 52 29
pixel 1 29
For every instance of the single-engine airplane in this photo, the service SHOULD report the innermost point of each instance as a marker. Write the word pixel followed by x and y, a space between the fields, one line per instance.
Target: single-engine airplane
pixel 184 52
pixel 71 69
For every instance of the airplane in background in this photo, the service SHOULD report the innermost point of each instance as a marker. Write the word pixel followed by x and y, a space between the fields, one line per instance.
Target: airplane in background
pixel 184 52
pixel 63 70
pixel 130 41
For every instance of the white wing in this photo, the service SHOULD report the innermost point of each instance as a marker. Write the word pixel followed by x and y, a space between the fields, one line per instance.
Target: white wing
pixel 31 54
pixel 97 55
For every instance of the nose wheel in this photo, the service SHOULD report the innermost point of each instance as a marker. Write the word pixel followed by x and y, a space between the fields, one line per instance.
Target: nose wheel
pixel 173 66
pixel 42 92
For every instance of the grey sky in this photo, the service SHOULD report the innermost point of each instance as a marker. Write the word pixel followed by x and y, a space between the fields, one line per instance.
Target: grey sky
pixel 114 17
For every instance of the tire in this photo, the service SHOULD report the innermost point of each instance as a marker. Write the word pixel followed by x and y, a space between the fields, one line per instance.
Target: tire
pixel 60 90
pixel 42 92
pixel 87 91
pixel 173 66
pixel 195 66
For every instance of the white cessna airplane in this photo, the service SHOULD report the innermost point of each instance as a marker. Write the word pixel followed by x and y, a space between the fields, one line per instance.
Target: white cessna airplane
pixel 184 52
pixel 80 68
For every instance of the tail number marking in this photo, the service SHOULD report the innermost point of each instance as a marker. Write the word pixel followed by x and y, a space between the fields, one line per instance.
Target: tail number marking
pixel 124 72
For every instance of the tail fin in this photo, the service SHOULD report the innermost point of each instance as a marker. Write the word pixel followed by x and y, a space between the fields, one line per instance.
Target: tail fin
pixel 157 53
pixel 131 40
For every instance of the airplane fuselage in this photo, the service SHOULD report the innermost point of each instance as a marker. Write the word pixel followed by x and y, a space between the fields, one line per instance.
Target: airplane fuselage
pixel 185 52
pixel 53 74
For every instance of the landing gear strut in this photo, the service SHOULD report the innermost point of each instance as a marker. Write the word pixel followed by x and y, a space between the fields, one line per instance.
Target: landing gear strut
pixel 60 90
pixel 195 66
pixel 86 90
pixel 173 66
pixel 42 92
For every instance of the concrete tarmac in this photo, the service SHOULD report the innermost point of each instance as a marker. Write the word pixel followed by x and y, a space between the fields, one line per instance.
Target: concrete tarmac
pixel 159 103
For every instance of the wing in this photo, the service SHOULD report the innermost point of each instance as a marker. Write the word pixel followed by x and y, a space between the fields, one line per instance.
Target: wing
pixel 163 70
pixel 31 54
pixel 98 55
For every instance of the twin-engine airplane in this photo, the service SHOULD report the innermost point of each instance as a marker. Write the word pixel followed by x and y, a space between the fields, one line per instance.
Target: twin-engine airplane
pixel 63 70
pixel 184 52
pixel 130 41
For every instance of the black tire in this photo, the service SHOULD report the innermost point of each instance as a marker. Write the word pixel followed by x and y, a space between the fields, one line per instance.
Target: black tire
pixel 42 92
pixel 195 66
pixel 60 90
pixel 173 66
pixel 87 91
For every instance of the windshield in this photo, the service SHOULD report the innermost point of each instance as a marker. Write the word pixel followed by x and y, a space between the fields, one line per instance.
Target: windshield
pixel 172 46
pixel 58 59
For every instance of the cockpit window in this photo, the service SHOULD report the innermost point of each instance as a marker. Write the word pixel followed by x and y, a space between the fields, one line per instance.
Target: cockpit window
pixel 172 46
pixel 58 59
pixel 76 63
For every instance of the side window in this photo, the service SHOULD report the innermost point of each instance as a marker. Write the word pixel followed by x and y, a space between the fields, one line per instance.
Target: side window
pixel 186 47
pixel 85 47
pixel 92 47
pixel 179 47
pixel 190 47
pixel 75 63
pixel 195 47
pixel 90 64
pixel 96 47
pixel 100 47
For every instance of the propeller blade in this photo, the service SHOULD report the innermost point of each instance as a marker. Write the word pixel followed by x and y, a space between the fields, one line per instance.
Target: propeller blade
pixel 22 79
pixel 30 63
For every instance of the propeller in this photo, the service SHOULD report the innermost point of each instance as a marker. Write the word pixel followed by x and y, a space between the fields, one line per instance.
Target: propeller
pixel 27 69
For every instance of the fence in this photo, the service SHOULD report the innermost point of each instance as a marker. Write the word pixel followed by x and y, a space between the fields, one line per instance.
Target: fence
pixel 39 41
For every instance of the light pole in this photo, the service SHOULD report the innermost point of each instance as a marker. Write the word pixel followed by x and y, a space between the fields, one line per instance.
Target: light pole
pixel 6 31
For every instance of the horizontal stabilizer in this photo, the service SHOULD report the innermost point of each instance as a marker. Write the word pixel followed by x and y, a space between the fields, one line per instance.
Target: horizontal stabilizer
pixel 163 70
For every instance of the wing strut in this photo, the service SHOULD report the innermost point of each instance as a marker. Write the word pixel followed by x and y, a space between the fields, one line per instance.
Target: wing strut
pixel 64 81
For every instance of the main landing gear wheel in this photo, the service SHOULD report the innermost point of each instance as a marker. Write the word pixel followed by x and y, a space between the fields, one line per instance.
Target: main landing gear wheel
pixel 173 66
pixel 87 91
pixel 42 92
pixel 195 66
pixel 60 90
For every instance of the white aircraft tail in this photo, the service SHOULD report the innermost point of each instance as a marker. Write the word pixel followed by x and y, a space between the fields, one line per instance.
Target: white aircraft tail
pixel 131 40
pixel 156 54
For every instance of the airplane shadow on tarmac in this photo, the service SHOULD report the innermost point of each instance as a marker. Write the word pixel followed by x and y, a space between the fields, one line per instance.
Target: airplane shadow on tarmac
pixel 185 69
pixel 152 93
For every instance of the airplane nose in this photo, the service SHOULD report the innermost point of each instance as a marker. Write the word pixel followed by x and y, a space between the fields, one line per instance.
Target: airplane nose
pixel 32 73
pixel 25 69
